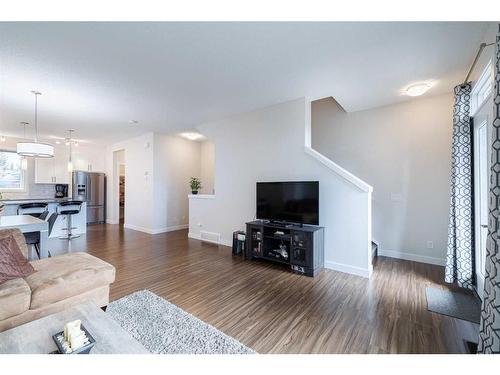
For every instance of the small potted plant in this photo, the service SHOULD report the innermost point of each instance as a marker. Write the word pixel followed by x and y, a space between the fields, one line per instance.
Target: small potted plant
pixel 195 184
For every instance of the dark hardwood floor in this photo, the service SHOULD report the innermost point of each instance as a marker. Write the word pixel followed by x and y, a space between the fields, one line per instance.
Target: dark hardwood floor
pixel 274 311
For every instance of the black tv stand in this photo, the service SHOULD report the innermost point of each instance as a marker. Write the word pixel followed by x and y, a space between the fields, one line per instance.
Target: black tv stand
pixel 301 247
pixel 284 224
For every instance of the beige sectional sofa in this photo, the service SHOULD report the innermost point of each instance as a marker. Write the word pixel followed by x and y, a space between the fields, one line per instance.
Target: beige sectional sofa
pixel 58 283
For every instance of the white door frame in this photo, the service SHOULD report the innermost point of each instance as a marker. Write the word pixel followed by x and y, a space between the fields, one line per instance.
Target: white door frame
pixel 481 186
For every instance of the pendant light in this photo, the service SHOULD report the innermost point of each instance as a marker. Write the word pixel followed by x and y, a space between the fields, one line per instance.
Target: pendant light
pixel 24 161
pixel 35 149
pixel 69 142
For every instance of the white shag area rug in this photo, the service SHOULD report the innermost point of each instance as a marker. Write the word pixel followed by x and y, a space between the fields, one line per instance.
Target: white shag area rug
pixel 163 328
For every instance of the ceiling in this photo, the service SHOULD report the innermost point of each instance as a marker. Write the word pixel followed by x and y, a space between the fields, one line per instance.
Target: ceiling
pixel 96 77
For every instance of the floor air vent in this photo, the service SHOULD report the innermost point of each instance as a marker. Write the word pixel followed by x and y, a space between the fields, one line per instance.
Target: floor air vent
pixel 210 237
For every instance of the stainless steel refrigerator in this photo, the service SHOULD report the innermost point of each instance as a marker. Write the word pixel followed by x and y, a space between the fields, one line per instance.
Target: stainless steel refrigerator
pixel 90 187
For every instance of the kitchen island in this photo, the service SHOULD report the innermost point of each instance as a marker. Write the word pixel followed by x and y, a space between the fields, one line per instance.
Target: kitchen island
pixel 79 221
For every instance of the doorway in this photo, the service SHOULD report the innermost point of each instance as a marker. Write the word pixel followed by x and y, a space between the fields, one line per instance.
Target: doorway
pixel 121 192
pixel 119 195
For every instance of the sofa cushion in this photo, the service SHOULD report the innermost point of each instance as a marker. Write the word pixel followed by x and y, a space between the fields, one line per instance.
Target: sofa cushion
pixel 65 276
pixel 15 297
pixel 13 264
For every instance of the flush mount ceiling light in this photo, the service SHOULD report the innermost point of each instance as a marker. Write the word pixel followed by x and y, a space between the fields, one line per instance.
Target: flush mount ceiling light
pixel 417 89
pixel 35 149
pixel 133 122
pixel 192 136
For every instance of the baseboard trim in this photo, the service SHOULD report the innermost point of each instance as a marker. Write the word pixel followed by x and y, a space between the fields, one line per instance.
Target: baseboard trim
pixel 137 228
pixel 358 271
pixel 196 236
pixel 225 243
pixel 411 256
pixel 170 229
pixel 155 231
pixel 114 222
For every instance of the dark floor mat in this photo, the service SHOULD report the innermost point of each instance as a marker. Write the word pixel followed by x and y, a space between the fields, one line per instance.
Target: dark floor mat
pixel 458 305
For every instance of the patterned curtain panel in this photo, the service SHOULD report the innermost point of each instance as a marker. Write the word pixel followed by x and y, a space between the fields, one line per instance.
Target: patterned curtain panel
pixel 460 251
pixel 489 334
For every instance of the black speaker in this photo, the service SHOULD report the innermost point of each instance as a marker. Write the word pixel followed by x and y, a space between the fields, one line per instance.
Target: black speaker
pixel 238 242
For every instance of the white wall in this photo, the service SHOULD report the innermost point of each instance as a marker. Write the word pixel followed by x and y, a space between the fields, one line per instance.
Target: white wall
pixel 404 152
pixel 207 167
pixel 139 177
pixel 175 160
pixel 488 53
pixel 268 145
pixel 157 172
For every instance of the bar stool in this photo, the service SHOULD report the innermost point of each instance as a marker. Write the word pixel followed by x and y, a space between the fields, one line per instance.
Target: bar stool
pixel 34 209
pixel 44 215
pixel 33 238
pixel 69 208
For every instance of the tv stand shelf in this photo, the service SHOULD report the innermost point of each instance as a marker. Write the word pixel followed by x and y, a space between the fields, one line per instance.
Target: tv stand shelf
pixel 299 246
pixel 278 237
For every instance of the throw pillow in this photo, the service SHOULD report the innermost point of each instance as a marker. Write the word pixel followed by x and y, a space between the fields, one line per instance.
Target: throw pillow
pixel 13 264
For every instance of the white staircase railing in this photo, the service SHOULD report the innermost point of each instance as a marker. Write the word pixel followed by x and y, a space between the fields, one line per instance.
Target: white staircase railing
pixel 346 175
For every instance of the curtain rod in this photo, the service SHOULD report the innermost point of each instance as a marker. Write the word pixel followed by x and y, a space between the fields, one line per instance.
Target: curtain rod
pixel 481 47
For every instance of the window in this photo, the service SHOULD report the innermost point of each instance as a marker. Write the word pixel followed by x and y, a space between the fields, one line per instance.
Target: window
pixel 11 173
pixel 482 89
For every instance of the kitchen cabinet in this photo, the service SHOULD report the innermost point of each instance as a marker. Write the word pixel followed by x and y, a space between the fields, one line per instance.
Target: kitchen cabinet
pixel 88 162
pixel 61 173
pixel 44 171
pixel 52 170
pixel 55 170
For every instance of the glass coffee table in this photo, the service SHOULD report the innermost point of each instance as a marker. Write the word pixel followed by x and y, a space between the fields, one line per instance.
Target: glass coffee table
pixel 36 337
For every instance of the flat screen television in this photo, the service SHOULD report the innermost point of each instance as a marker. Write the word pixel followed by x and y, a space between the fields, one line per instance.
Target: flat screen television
pixel 293 202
